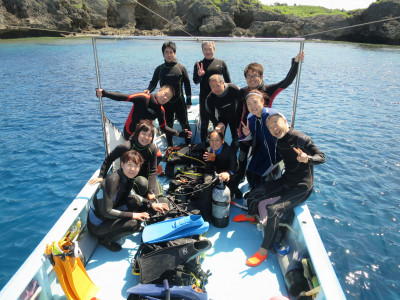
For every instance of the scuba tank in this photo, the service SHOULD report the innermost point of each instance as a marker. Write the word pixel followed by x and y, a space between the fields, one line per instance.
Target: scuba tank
pixel 221 199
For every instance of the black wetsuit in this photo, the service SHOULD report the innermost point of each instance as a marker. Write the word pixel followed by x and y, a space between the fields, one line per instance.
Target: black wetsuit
pixel 295 185
pixel 176 75
pixel 144 107
pixel 271 92
pixel 225 161
pixel 222 108
pixel 110 218
pixel 211 67
pixel 148 169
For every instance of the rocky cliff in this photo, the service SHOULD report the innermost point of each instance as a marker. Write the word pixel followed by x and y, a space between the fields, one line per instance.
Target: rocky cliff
pixel 198 17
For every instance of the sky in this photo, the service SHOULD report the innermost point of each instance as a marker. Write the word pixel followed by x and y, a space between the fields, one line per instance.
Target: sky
pixel 332 4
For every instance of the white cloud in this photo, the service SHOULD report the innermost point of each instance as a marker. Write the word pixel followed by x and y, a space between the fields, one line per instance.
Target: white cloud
pixel 332 4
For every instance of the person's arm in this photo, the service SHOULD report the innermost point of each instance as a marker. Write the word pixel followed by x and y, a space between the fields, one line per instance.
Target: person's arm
pixel 105 205
pixel 188 90
pixel 152 169
pixel 115 95
pixel 154 81
pixel 210 108
pixel 225 73
pixel 113 156
pixel 315 156
pixel 166 129
pixel 274 89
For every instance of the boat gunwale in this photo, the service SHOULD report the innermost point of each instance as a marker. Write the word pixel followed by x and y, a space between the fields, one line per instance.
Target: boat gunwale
pixel 36 265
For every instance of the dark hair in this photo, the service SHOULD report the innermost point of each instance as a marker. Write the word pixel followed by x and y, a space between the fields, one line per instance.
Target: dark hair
pixel 255 67
pixel 146 126
pixel 132 156
pixel 169 44
pixel 265 96
pixel 170 87
pixel 220 130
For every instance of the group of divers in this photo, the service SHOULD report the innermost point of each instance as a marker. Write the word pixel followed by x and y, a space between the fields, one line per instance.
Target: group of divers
pixel 131 192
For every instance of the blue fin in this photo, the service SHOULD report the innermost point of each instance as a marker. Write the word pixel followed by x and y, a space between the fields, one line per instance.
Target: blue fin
pixel 183 233
pixel 162 230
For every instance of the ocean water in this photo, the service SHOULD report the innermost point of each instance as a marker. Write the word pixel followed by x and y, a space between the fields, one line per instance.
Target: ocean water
pixel 349 103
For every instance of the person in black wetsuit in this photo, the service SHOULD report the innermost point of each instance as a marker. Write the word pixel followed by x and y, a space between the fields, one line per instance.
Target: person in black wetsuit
pixel 174 74
pixel 142 142
pixel 203 70
pixel 254 78
pixel 294 187
pixel 221 105
pixel 220 159
pixel 119 213
pixel 146 107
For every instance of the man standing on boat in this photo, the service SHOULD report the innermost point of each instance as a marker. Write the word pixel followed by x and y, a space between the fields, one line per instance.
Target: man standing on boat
pixel 221 105
pixel 175 74
pixel 146 106
pixel 254 78
pixel 203 70
pixel 299 155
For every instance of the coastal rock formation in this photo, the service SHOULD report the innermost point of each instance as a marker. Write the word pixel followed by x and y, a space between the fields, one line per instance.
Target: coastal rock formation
pixel 198 17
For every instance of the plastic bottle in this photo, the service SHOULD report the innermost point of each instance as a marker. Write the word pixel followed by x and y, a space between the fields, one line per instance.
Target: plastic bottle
pixel 221 196
pixel 75 229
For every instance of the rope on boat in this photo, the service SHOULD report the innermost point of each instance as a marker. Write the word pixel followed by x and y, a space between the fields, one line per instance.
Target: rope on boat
pixel 168 21
pixel 352 26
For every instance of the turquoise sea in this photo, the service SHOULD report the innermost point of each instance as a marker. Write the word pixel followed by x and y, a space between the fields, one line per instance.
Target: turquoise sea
pixel 349 103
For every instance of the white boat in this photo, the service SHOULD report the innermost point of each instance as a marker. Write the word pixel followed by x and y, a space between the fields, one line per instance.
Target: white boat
pixel 230 279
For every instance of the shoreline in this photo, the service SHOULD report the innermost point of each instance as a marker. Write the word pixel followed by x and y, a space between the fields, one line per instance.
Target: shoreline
pixel 88 35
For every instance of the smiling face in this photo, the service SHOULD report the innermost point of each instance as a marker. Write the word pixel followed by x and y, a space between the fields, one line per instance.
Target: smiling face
pixel 208 50
pixel 169 55
pixel 255 104
pixel 215 141
pixel 130 169
pixel 277 125
pixel 145 137
pixel 253 79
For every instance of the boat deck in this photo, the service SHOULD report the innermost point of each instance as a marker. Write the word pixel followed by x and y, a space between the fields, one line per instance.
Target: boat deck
pixel 230 279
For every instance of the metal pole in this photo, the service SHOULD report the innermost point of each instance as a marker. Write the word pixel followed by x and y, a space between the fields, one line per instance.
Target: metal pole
pixel 96 62
pixel 296 92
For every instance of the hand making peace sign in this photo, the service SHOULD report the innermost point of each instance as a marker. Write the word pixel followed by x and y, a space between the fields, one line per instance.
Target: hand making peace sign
pixel 200 70
pixel 245 128
pixel 301 156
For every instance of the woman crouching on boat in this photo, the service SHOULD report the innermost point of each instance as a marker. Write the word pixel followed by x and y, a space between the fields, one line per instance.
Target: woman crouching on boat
pixel 142 142
pixel 299 154
pixel 221 159
pixel 119 213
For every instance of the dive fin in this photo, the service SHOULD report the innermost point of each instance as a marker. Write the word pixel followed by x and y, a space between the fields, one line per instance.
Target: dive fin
pixel 167 228
pixel 78 278
pixel 71 273
pixel 183 233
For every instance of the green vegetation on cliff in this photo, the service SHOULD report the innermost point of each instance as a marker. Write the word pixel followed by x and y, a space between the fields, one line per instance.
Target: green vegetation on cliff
pixel 304 11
